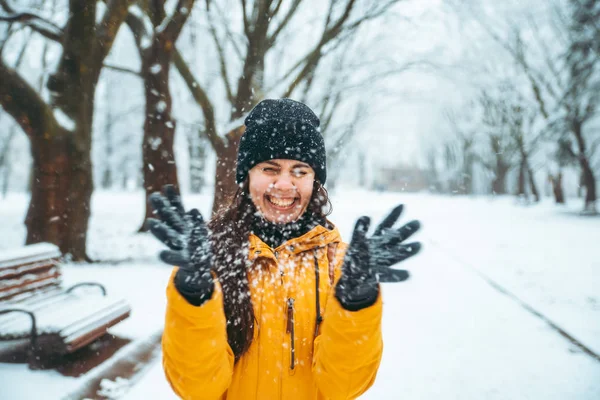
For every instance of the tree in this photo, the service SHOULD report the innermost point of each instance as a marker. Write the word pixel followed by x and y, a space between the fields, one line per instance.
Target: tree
pixel 60 130
pixel 159 167
pixel 459 151
pixel 561 70
pixel 499 157
pixel 242 59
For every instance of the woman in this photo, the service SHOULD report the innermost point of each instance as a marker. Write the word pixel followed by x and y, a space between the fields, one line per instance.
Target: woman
pixel 267 302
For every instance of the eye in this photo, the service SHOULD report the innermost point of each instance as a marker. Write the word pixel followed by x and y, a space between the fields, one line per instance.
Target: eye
pixel 270 170
pixel 299 172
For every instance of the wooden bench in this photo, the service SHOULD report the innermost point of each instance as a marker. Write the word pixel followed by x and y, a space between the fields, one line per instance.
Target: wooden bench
pixel 34 306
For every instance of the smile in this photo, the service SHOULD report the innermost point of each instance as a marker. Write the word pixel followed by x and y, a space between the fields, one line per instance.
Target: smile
pixel 281 203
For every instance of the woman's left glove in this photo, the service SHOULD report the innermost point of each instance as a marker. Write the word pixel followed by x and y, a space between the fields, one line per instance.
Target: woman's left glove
pixel 368 260
pixel 187 236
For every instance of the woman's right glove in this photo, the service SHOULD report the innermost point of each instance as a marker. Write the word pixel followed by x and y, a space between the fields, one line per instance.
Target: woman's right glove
pixel 186 235
pixel 368 260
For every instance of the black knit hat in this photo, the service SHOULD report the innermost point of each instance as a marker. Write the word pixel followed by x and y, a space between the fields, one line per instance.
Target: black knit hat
pixel 285 129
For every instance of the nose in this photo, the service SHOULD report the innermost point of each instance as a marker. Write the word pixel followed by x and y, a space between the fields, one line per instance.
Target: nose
pixel 284 183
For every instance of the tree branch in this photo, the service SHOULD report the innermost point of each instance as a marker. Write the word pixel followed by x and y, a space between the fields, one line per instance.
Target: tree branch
pixel 314 56
pixel 221 54
pixel 123 69
pixel 201 97
pixel 35 22
pixel 245 19
pixel 271 40
pixel 228 32
pixel 276 9
pixel 116 12
pixel 24 104
pixel 138 29
pixel 177 21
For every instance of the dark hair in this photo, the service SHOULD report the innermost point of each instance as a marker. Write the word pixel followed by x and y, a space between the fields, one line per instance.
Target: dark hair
pixel 230 229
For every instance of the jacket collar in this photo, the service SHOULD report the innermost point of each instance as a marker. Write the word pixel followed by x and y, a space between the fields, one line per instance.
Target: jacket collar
pixel 317 237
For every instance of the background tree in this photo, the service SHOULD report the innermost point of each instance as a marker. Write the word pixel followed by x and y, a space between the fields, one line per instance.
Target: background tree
pixel 498 158
pixel 553 50
pixel 60 130
pixel 244 46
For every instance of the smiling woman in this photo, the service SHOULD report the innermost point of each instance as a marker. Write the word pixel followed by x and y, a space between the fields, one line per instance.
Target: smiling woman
pixel 266 302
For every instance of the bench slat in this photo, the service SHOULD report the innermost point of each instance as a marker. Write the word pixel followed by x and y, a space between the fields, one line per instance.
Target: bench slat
pixel 27 282
pixel 36 303
pixel 68 311
pixel 20 269
pixel 117 310
pixel 28 254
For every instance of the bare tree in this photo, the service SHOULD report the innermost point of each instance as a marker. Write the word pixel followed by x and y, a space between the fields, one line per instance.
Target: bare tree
pixel 565 83
pixel 60 130
pixel 499 157
pixel 263 23
pixel 459 152
pixel 159 166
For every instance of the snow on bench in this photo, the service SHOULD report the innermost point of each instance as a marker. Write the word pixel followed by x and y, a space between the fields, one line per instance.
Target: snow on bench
pixel 34 305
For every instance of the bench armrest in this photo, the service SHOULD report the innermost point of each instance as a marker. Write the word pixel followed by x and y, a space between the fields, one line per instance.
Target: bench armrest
pixel 88 284
pixel 33 322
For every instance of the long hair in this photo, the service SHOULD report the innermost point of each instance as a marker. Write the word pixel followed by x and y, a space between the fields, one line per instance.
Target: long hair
pixel 230 229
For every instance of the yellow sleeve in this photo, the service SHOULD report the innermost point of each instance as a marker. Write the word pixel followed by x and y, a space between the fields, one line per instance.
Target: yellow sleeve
pixel 197 359
pixel 348 350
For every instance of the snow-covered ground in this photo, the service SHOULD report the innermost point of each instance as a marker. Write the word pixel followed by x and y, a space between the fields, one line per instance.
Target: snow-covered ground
pixel 448 332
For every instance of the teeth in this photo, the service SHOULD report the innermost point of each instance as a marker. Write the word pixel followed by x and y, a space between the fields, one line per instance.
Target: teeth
pixel 281 202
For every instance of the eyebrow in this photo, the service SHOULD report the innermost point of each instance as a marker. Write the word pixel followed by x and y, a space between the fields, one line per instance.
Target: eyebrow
pixel 297 165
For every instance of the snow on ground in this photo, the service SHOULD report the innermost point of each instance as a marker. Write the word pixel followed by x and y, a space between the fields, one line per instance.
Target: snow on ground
pixel 448 333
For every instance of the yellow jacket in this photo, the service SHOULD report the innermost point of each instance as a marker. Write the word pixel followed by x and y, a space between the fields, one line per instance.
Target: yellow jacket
pixel 339 362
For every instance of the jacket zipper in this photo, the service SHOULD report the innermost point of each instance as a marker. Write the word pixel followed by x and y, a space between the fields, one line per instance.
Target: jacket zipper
pixel 290 330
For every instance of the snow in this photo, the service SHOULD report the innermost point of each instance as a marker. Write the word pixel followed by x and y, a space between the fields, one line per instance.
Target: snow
pixel 32 253
pixel 64 120
pixel 155 69
pixel 161 106
pixel 146 39
pixel 448 333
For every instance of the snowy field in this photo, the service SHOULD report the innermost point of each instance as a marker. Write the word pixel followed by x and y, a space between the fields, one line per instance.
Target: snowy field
pixel 463 327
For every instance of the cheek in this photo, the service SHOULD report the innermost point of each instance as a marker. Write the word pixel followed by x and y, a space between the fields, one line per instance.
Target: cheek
pixel 306 190
pixel 257 189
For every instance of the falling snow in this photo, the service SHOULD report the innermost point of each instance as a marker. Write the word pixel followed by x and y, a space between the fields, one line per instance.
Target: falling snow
pixel 161 106
pixel 155 69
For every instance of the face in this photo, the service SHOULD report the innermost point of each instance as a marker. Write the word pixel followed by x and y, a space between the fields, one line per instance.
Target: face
pixel 281 189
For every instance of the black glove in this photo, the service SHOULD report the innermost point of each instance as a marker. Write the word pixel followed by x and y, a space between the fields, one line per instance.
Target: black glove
pixel 187 237
pixel 368 260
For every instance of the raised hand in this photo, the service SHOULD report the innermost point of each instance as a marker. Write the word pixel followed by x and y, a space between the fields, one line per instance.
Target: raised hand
pixel 173 226
pixel 386 247
pixel 187 236
pixel 368 259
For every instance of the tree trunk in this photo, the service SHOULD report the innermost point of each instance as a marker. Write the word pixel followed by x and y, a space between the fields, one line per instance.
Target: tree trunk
pixel 467 173
pixel 47 217
pixel 159 166
pixel 197 153
pixel 589 180
pixel 6 180
pixel 521 192
pixel 73 88
pixel 557 189
pixel 590 184
pixel 499 182
pixel 225 186
pixel 534 190
pixel 107 176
